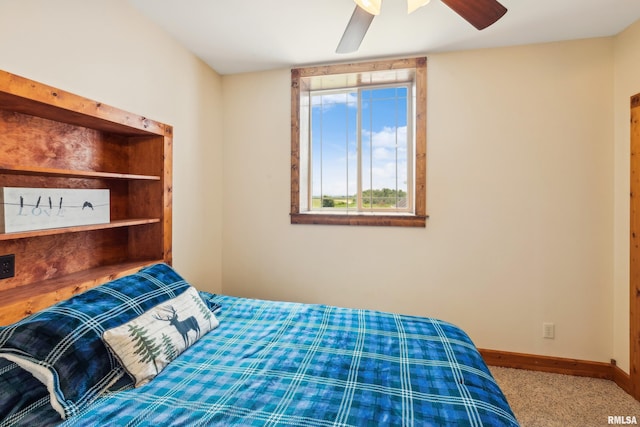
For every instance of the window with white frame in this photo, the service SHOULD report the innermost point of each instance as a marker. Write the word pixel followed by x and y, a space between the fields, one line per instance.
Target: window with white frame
pixel 358 144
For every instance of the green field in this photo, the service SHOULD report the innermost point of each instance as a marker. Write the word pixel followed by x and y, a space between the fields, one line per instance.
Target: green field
pixel 348 203
pixel 337 202
pixel 371 199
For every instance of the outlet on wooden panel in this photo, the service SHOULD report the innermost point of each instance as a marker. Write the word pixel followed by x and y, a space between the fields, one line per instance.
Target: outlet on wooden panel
pixel 7 266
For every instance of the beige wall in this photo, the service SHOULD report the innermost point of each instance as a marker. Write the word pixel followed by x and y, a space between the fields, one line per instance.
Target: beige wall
pixel 627 83
pixel 520 195
pixel 107 51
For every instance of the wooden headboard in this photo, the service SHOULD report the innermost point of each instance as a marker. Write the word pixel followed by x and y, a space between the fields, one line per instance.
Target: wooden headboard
pixel 50 138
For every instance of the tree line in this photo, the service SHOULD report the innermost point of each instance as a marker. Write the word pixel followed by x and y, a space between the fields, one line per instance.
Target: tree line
pixel 375 197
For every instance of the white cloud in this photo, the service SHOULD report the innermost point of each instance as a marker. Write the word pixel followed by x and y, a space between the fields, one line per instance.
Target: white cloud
pixel 382 153
pixel 390 137
pixel 330 100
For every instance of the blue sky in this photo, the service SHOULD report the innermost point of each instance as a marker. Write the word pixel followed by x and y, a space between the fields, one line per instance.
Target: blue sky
pixel 384 133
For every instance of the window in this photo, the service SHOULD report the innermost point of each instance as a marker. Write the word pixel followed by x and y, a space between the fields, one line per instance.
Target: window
pixel 358 141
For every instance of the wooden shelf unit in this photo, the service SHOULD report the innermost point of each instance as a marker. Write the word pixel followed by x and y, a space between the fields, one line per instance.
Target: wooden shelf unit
pixel 38 171
pixel 50 138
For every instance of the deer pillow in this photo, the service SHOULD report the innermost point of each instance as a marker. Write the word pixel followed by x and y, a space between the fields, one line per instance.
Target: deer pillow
pixel 146 344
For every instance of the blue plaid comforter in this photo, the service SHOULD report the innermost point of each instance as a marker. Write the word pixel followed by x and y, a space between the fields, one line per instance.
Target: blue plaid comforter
pixel 287 364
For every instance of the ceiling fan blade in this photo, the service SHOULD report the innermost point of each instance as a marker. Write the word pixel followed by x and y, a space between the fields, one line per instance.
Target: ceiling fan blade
pixel 479 13
pixel 355 31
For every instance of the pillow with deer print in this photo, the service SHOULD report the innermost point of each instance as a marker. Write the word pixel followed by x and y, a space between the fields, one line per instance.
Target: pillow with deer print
pixel 146 344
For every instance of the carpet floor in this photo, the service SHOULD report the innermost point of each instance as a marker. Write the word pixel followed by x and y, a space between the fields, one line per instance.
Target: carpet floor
pixel 541 399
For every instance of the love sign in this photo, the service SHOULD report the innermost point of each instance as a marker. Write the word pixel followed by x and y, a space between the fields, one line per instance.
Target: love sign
pixel 26 209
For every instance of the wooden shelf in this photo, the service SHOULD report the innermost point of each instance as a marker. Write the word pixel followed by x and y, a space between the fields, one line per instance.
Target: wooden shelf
pixel 55 139
pixel 66 173
pixel 76 229
pixel 27 96
pixel 25 300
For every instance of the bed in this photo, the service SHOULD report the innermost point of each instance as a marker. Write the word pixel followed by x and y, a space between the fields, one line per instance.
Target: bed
pixel 108 357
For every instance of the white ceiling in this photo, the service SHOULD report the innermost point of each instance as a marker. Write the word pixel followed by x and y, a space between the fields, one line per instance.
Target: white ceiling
pixel 235 36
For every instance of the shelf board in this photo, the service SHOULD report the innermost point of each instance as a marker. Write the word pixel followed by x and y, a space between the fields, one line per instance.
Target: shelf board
pixel 75 229
pixel 68 173
pixel 40 100
pixel 24 300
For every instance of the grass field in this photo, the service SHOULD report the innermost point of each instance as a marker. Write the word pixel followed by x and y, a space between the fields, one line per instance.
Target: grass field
pixel 345 203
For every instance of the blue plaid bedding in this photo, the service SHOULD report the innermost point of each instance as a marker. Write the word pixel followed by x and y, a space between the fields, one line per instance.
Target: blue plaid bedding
pixel 23 399
pixel 286 364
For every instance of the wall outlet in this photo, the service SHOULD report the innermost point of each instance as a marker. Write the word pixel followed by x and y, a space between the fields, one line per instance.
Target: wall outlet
pixel 7 266
pixel 548 330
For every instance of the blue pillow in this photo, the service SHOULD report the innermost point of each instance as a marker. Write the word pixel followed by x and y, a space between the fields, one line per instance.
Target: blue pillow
pixel 62 345
pixel 24 401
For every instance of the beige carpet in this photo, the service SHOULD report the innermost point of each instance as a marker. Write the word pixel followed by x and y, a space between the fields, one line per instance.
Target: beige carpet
pixel 540 399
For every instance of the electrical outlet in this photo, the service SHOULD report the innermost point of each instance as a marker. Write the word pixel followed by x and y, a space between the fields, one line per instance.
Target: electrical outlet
pixel 7 266
pixel 548 330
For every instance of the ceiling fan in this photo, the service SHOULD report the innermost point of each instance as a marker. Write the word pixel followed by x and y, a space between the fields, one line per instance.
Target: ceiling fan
pixel 479 13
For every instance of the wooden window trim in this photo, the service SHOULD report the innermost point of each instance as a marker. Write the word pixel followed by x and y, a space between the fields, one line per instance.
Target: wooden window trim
pixel 298 79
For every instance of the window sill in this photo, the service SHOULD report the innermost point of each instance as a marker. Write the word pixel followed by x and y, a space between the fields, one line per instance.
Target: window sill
pixel 360 219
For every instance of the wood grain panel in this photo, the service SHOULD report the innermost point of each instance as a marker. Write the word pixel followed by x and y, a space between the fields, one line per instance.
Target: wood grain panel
pixel 124 223
pixel 634 248
pixel 20 302
pixel 27 96
pixel 167 197
pixel 141 243
pixel 421 138
pixel 295 141
pixel 145 155
pixel 29 140
pixel 371 220
pixel 556 365
pixel 359 67
pixel 47 257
